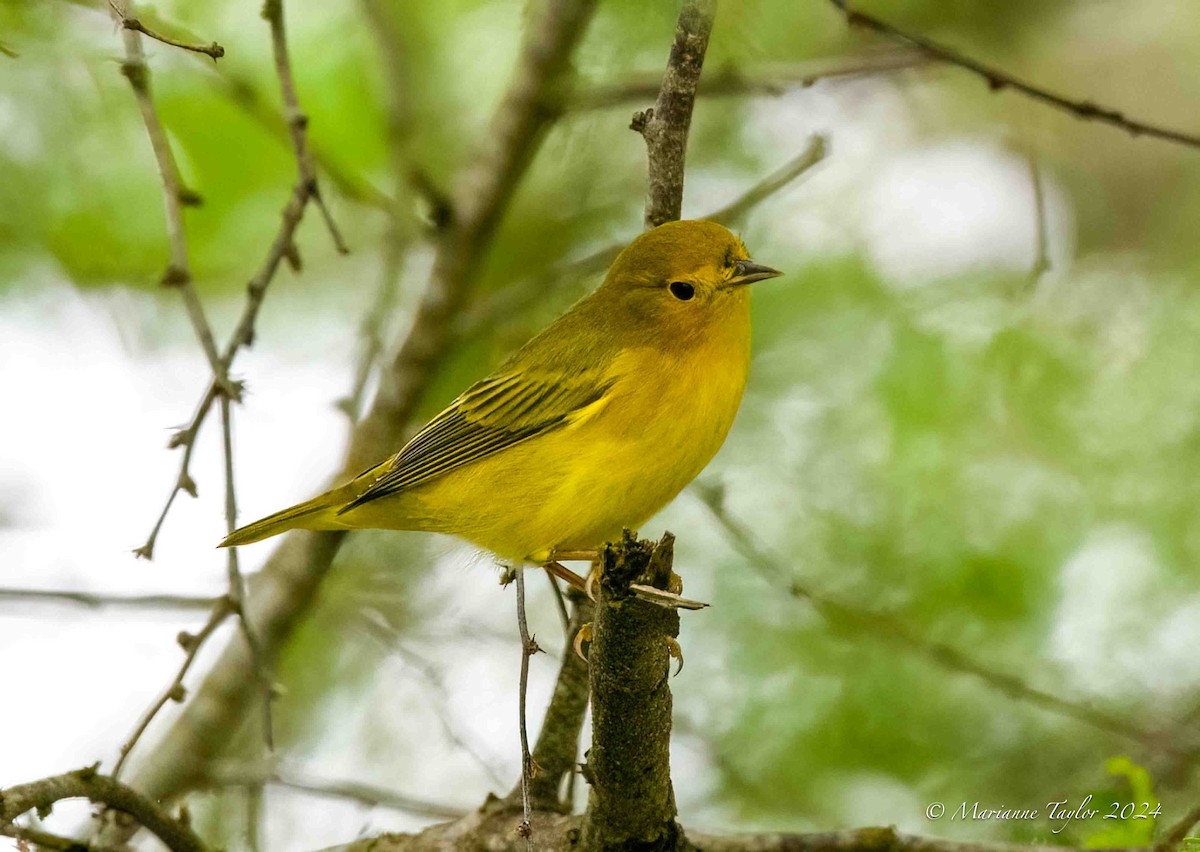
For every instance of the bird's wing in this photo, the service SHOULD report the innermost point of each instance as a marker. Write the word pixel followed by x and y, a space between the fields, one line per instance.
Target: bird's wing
pixel 502 410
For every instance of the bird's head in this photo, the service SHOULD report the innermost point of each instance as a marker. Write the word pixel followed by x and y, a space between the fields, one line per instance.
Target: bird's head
pixel 684 276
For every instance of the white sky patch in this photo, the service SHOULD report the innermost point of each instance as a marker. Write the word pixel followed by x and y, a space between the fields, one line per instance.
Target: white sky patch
pixel 1102 636
pixel 955 208
pixel 95 383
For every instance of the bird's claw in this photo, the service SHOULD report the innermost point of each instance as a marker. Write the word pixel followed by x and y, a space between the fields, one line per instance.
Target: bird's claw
pixel 584 635
pixel 675 652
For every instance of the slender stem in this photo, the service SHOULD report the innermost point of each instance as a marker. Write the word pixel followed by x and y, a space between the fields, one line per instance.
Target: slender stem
pixel 99 601
pixel 212 49
pixel 191 644
pixel 87 783
pixel 998 79
pixel 237 585
pixel 529 647
pixel 665 126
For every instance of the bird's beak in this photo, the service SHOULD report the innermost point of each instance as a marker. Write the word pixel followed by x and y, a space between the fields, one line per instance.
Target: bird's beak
pixel 747 271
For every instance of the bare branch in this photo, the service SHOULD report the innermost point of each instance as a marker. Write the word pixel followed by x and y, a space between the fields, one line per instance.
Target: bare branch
pixel 631 803
pixel 282 247
pixel 998 80
pixel 286 586
pixel 772 183
pixel 557 748
pixel 769 81
pixel 529 647
pixel 127 21
pixel 1041 256
pixel 237 587
pixel 860 840
pixel 101 789
pixel 389 40
pixel 38 840
pixel 100 601
pixel 251 775
pixel 242 94
pixel 487 829
pixel 665 125
pixel 175 197
pixel 863 621
pixel 191 644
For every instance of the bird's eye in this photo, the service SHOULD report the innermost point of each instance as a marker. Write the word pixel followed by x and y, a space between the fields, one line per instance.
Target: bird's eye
pixel 681 290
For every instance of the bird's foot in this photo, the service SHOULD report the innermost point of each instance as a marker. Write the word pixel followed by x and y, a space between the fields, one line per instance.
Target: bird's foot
pixel 671 597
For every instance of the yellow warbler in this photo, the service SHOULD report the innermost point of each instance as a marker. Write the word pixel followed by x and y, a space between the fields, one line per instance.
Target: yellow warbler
pixel 591 427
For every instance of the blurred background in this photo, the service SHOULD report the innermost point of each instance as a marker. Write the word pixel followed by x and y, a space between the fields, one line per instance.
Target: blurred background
pixel 973 419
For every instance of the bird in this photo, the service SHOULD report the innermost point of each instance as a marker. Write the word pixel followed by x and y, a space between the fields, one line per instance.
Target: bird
pixel 590 428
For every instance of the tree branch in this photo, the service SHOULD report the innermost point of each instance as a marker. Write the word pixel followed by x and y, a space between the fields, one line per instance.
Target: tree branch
pixel 88 784
pixel 213 50
pixel 175 691
pixel 252 775
pixel 631 803
pixel 175 197
pixel 282 247
pixel 285 588
pixel 99 601
pixel 997 80
pixel 768 81
pixel 665 125
pixel 557 749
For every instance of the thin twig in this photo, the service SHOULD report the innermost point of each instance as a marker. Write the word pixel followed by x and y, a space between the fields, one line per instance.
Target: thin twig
pixel 400 122
pixel 8 51
pixel 87 783
pixel 665 125
pixel 213 50
pixel 250 775
pixel 556 752
pixel 883 626
pixel 37 839
pixel 290 578
pixel 191 644
pixel 242 94
pixel 237 585
pixel 100 601
pixel 297 120
pixel 769 81
pixel 772 183
pixel 457 738
pixel 1041 256
pixel 175 197
pixel 529 647
pixel 282 247
pixel 560 603
pixel 997 80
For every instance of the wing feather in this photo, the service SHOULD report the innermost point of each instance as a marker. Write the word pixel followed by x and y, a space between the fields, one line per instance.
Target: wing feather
pixel 498 412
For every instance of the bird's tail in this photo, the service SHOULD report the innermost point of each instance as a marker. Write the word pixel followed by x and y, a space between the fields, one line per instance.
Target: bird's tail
pixel 319 513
